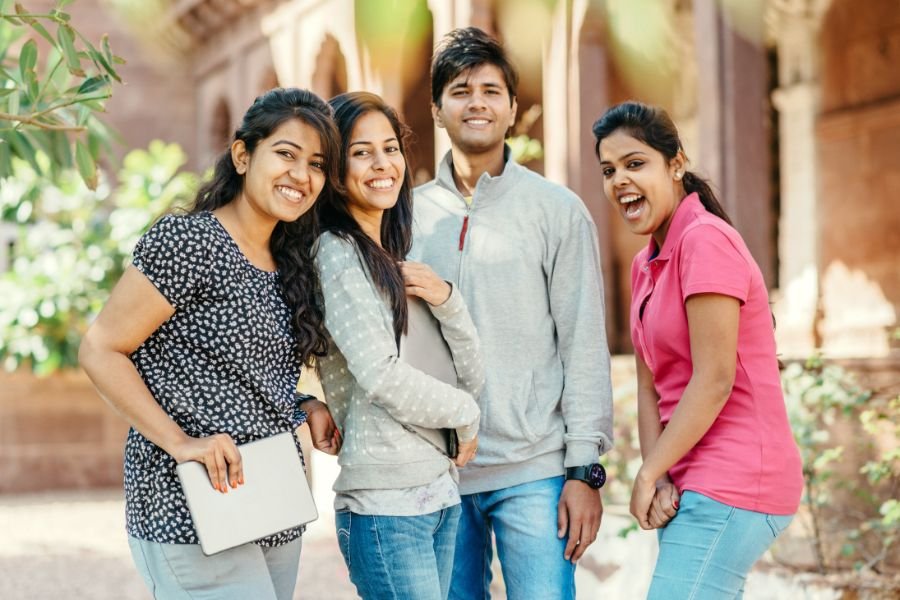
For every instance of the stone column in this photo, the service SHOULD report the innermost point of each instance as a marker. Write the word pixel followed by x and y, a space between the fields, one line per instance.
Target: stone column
pixel 797 101
pixel 733 114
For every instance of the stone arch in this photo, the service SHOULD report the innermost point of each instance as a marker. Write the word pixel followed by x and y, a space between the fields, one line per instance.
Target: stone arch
pixel 330 73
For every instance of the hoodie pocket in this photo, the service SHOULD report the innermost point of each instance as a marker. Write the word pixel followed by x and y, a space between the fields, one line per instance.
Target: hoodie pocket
pixel 506 413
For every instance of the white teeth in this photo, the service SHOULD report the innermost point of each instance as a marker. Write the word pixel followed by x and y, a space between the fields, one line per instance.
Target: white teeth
pixel 477 122
pixel 629 198
pixel 290 193
pixel 381 184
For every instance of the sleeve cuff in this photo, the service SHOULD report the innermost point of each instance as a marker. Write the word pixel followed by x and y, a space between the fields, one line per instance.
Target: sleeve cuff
pixel 467 434
pixel 581 453
pixel 451 306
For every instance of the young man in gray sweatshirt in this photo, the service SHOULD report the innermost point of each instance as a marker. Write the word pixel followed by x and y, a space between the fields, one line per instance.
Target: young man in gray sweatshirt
pixel 524 253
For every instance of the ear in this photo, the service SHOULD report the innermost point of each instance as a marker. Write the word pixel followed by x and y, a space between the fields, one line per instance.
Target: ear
pixel 436 115
pixel 240 157
pixel 678 166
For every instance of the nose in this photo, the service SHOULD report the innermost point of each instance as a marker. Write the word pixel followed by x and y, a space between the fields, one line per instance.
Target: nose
pixel 380 161
pixel 477 100
pixel 300 171
pixel 620 178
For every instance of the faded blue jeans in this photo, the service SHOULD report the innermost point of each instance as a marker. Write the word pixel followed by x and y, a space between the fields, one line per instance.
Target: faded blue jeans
pixel 399 558
pixel 523 518
pixel 707 549
pixel 182 571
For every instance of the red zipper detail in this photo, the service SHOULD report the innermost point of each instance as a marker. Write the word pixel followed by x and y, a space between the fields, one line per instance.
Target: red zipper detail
pixel 462 233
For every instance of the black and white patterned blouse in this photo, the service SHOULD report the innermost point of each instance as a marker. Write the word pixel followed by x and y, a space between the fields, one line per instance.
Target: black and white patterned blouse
pixel 223 363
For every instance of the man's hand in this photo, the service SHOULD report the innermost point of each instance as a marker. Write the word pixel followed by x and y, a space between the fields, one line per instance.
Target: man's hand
pixel 466 452
pixel 326 437
pixel 579 512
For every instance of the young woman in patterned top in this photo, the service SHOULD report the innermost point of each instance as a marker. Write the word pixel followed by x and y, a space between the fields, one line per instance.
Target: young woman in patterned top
pixel 397 504
pixel 201 342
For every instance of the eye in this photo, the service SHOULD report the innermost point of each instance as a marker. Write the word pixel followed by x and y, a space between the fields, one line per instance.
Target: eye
pixel 361 153
pixel 634 164
pixel 460 92
pixel 608 172
pixel 392 149
pixel 317 164
pixel 286 154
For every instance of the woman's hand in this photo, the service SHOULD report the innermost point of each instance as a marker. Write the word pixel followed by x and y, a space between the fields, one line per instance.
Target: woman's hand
pixel 641 498
pixel 466 452
pixel 421 281
pixel 665 502
pixel 326 437
pixel 219 454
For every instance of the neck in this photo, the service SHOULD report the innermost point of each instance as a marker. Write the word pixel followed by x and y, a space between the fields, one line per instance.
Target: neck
pixel 468 168
pixel 369 222
pixel 246 225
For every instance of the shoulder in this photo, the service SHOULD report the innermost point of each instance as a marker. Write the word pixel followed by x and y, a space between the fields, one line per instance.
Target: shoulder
pixel 554 195
pixel 178 226
pixel 710 233
pixel 335 253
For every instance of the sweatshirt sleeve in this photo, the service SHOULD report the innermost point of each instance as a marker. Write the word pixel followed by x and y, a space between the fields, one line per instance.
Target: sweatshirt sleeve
pixel 354 321
pixel 459 331
pixel 576 303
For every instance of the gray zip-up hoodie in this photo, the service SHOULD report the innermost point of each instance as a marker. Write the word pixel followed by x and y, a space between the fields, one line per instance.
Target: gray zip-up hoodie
pixel 526 258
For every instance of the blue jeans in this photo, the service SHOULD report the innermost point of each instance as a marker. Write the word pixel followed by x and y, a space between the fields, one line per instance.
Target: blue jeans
pixel 523 519
pixel 176 571
pixel 707 549
pixel 399 558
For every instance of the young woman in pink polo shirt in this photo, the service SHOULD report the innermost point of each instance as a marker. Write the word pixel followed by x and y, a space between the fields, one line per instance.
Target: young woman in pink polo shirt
pixel 721 476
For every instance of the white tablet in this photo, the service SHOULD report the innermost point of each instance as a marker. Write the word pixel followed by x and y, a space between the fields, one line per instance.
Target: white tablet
pixel 275 496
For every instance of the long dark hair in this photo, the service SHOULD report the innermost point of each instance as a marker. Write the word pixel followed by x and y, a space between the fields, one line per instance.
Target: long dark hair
pixel 653 126
pixel 396 223
pixel 292 242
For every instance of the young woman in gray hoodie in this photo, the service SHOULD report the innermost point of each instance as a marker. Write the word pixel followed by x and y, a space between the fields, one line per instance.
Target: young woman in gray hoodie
pixel 397 503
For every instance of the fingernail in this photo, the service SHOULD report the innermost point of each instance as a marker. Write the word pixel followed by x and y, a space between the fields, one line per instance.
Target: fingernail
pixel 675 504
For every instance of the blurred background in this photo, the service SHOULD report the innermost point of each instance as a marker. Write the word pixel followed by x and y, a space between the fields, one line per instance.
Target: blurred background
pixel 790 107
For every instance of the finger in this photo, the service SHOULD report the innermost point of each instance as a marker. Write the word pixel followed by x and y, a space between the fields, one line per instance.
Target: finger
pixel 221 468
pixel 574 540
pixel 562 519
pixel 212 470
pixel 235 464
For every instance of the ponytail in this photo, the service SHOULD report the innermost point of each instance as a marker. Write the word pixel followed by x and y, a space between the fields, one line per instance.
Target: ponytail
pixel 695 183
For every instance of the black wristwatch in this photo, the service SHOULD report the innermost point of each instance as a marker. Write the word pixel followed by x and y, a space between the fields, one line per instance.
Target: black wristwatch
pixel 594 475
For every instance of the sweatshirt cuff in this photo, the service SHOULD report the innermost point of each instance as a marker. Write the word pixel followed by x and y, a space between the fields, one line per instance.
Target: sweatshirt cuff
pixel 581 453
pixel 452 305
pixel 468 433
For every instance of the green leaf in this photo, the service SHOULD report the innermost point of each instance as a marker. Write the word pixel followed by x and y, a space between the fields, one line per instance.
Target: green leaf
pixel 99 59
pixel 91 84
pixel 28 57
pixel 87 168
pixel 36 25
pixel 22 147
pixel 66 36
pixel 7 91
pixel 63 3
pixel 5 158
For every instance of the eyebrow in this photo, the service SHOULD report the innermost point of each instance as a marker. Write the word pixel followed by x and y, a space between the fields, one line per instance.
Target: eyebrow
pixel 297 146
pixel 623 157
pixel 390 139
pixel 465 84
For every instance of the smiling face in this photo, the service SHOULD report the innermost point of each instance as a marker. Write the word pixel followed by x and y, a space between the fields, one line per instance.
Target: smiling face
pixel 375 168
pixel 643 186
pixel 476 110
pixel 285 173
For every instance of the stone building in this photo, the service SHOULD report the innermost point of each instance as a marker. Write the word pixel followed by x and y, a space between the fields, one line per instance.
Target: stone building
pixel 790 107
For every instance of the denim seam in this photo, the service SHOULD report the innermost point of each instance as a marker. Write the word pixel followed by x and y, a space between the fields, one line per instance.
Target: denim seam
pixel 381 556
pixel 709 554
pixel 485 564
pixel 140 546
pixel 349 543
pixel 174 574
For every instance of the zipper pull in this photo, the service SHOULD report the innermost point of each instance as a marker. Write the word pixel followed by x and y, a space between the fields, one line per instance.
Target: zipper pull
pixel 462 233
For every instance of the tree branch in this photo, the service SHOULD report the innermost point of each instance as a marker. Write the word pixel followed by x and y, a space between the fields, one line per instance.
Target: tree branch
pixel 39 124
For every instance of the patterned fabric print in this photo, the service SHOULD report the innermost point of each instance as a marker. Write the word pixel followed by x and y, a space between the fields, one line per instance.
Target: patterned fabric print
pixel 223 363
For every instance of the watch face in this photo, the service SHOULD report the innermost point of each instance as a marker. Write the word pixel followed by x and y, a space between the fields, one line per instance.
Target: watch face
pixel 597 475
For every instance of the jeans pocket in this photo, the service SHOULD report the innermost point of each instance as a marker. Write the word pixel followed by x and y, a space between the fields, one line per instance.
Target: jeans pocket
pixel 778 523
pixel 343 520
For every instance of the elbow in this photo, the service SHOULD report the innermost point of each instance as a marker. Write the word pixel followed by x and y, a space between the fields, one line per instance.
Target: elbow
pixel 716 385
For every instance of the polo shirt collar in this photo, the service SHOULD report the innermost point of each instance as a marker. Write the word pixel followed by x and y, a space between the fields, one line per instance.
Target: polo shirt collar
pixel 685 214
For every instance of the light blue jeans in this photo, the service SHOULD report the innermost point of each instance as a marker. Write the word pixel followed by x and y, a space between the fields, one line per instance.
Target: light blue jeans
pixel 182 571
pixel 399 558
pixel 707 549
pixel 523 519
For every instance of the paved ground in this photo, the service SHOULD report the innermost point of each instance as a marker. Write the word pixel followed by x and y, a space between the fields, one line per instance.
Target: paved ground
pixel 72 546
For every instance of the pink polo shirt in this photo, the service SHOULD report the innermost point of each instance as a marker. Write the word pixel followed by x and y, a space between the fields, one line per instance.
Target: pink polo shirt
pixel 748 458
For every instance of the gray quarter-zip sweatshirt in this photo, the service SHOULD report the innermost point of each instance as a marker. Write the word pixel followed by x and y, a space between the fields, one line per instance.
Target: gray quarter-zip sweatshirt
pixel 526 258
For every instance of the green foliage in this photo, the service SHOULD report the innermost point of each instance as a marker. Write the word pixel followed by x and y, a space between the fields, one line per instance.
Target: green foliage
pixel 49 105
pixel 853 511
pixel 72 246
